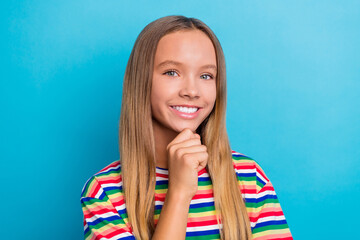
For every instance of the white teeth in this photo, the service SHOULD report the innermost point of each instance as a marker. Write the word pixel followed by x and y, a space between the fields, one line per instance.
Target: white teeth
pixel 185 109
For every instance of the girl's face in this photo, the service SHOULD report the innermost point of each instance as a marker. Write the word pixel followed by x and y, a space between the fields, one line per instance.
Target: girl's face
pixel 184 81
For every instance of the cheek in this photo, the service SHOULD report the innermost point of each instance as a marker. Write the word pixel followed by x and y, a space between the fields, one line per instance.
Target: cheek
pixel 211 94
pixel 158 88
pixel 155 92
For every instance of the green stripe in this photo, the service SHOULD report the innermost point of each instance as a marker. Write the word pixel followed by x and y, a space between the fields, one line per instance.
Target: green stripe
pixel 202 209
pixel 90 201
pixel 124 216
pixel 204 183
pixel 259 204
pixel 206 237
pixel 247 179
pixel 260 184
pixel 192 210
pixel 87 186
pixel 241 158
pixel 108 173
pixel 162 186
pixel 270 227
pixel 87 234
pixel 112 191
pixel 105 222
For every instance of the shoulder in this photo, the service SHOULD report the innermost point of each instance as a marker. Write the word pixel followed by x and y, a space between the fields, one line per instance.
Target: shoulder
pixel 107 178
pixel 249 173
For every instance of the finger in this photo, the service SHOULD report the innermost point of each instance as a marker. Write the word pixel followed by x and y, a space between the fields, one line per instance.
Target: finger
pixel 191 149
pixel 201 159
pixel 187 143
pixel 202 165
pixel 182 136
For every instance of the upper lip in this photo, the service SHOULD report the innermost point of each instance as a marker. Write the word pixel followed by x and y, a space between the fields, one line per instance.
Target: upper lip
pixel 185 105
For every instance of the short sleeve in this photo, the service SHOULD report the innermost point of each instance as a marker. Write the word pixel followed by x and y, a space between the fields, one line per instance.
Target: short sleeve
pixel 266 216
pixel 101 219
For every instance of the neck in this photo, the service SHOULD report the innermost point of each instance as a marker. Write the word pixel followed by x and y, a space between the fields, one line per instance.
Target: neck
pixel 162 136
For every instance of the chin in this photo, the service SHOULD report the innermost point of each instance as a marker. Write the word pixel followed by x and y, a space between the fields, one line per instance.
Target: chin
pixel 181 128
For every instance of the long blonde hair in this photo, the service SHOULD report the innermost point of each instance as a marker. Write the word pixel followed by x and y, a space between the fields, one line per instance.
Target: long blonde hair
pixel 136 140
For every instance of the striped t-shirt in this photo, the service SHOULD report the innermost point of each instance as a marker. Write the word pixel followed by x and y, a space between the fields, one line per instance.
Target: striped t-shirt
pixel 105 214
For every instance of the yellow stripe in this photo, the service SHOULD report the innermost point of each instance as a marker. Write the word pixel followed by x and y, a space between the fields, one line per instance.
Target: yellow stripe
pixel 268 233
pixel 201 214
pixel 263 207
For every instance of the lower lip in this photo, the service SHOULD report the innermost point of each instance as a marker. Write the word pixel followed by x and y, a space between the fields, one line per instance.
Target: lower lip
pixel 186 115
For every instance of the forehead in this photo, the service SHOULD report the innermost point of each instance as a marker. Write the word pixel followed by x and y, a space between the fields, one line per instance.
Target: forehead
pixel 186 46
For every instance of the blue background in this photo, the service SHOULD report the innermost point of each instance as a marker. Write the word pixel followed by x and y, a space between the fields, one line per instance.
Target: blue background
pixel 293 103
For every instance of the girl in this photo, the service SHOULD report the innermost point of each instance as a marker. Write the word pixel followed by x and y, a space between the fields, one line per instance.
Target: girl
pixel 177 177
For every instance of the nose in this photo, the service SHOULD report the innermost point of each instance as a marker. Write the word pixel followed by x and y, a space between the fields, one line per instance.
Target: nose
pixel 190 88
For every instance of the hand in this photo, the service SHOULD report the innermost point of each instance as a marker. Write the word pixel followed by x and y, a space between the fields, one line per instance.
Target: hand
pixel 186 156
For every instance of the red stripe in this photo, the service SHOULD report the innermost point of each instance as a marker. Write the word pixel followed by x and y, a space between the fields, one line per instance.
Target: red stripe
pixel 162 175
pixel 114 164
pixel 200 196
pixel 110 180
pixel 267 214
pixel 118 203
pixel 92 212
pixel 202 223
pixel 248 191
pixel 95 189
pixel 239 166
pixel 114 232
pixel 267 187
pixel 258 170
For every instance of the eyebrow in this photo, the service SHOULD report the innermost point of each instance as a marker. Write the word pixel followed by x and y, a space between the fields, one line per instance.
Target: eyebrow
pixel 171 62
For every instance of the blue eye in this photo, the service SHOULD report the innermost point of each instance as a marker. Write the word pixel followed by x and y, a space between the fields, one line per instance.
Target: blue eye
pixel 171 73
pixel 206 76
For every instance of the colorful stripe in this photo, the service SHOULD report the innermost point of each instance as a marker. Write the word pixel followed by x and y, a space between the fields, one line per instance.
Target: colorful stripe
pixel 105 211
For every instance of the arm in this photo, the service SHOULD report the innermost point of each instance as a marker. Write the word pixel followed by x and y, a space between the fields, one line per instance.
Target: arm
pixel 186 157
pixel 267 219
pixel 101 219
pixel 173 218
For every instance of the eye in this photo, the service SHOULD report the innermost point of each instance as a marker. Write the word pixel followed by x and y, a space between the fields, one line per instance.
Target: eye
pixel 207 76
pixel 171 73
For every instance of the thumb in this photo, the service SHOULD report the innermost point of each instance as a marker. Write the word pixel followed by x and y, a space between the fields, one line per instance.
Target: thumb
pixel 202 165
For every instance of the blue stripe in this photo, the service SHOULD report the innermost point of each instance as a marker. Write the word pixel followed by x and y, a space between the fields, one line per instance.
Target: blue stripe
pixel 87 199
pixel 202 233
pixel 127 238
pixel 163 168
pixel 85 186
pixel 257 200
pixel 86 230
pixel 157 207
pixel 121 212
pixel 260 180
pixel 204 179
pixel 238 155
pixel 200 205
pixel 269 223
pixel 197 205
pixel 162 182
pixel 245 175
pixel 112 169
pixel 111 188
pixel 99 220
pixel 102 196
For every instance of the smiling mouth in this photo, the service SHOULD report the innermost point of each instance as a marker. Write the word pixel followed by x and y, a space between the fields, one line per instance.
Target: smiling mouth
pixel 185 109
